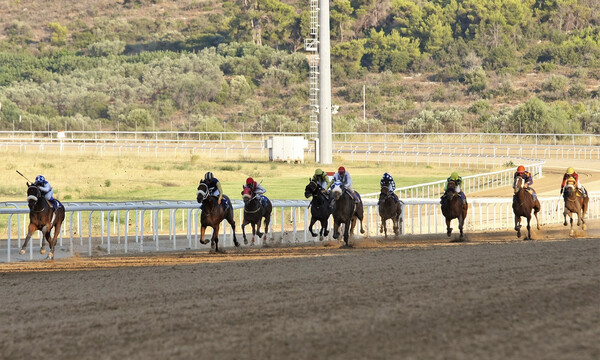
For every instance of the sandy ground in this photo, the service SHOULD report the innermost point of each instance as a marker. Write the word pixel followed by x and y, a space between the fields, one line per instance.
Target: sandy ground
pixel 420 297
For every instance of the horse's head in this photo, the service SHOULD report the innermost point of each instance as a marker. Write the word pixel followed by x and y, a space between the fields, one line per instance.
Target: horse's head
pixel 519 184
pixel 247 194
pixel 202 192
pixel 451 186
pixel 569 189
pixel 311 189
pixel 337 190
pixel 33 195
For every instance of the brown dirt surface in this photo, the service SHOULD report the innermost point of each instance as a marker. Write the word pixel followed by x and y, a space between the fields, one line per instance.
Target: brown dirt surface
pixel 420 297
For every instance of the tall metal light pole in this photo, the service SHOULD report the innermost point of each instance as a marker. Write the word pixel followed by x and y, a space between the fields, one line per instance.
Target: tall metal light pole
pixel 325 128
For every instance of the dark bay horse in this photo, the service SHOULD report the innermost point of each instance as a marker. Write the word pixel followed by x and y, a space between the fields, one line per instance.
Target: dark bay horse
pixel 345 211
pixel 523 204
pixel 389 209
pixel 212 215
pixel 453 207
pixel 574 203
pixel 319 208
pixel 254 212
pixel 42 217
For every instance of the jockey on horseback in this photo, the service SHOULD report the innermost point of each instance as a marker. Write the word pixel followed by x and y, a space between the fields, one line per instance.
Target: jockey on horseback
pixel 214 187
pixel 571 175
pixel 388 181
pixel 527 177
pixel 321 178
pixel 457 180
pixel 257 190
pixel 344 177
pixel 46 190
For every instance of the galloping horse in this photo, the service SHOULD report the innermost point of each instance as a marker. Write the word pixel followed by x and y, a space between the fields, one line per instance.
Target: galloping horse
pixel 42 217
pixel 523 203
pixel 453 207
pixel 345 211
pixel 212 215
pixel 254 211
pixel 574 203
pixel 319 209
pixel 389 209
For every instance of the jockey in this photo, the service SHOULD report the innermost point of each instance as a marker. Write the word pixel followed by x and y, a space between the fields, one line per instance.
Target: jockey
pixel 388 181
pixel 456 179
pixel 214 187
pixel 321 178
pixel 344 177
pixel 571 174
pixel 525 175
pixel 255 187
pixel 46 190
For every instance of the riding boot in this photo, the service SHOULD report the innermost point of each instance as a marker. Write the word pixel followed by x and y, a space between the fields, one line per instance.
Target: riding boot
pixel 54 203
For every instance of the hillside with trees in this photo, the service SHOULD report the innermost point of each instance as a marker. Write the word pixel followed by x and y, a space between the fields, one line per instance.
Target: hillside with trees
pixel 427 65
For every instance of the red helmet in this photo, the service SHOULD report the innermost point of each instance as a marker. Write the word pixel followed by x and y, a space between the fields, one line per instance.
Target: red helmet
pixel 341 170
pixel 249 181
pixel 521 169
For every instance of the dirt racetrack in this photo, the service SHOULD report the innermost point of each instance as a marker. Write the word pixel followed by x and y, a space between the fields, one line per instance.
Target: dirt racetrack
pixel 493 297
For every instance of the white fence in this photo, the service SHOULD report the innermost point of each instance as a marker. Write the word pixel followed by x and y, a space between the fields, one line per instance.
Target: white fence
pixel 109 228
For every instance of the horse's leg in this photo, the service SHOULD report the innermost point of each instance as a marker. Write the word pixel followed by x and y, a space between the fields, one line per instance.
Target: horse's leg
pixel 324 224
pixel 572 232
pixel 310 226
pixel 518 225
pixel 565 212
pixel 244 223
pixel 258 233
pixel 347 233
pixel 214 240
pixel 528 228
pixel 383 228
pixel 267 222
pixel 50 245
pixel 55 237
pixel 32 228
pixel 536 210
pixel 253 226
pixel 461 222
pixel 336 231
pixel 231 222
pixel 448 228
pixel 202 232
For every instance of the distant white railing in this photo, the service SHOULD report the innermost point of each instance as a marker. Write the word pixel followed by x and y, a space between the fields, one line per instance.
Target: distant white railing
pixel 159 226
pixel 471 183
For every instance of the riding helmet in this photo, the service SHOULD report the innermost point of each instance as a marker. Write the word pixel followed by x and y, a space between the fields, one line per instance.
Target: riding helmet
pixel 40 179
pixel 249 181
pixel 341 170
pixel 521 169
pixel 387 176
pixel 209 176
pixel 318 172
pixel 570 170
pixel 454 176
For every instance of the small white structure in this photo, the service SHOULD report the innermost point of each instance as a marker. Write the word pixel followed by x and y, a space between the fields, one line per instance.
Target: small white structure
pixel 286 148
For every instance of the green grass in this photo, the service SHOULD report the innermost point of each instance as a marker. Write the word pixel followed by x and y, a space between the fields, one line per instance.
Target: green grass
pixel 91 177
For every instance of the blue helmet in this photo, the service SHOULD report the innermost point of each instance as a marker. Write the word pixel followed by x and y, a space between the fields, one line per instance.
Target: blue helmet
pixel 387 176
pixel 40 179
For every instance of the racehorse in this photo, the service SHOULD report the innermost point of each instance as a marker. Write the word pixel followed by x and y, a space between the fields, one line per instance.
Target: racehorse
pixel 42 217
pixel 574 203
pixel 453 207
pixel 345 211
pixel 254 212
pixel 319 209
pixel 523 203
pixel 389 209
pixel 212 215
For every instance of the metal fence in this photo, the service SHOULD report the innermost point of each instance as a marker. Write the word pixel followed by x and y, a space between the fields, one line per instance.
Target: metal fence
pixel 118 228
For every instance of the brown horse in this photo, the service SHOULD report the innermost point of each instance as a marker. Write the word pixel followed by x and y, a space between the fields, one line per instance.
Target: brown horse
pixel 453 207
pixel 523 203
pixel 389 209
pixel 345 211
pixel 254 212
pixel 574 203
pixel 43 217
pixel 212 215
pixel 319 208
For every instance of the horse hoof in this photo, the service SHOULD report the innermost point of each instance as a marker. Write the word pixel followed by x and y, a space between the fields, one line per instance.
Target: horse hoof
pixel 50 256
pixel 362 231
pixel 571 233
pixel 584 227
pixel 203 242
pixel 42 251
pixel 245 242
pixel 518 234
pixel 236 243
pixel 565 223
pixel 22 251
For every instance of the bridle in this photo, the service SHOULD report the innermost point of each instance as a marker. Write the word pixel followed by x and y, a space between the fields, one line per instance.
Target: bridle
pixel 36 198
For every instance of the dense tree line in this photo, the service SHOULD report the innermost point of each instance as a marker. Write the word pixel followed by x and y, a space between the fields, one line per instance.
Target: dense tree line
pixel 428 65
